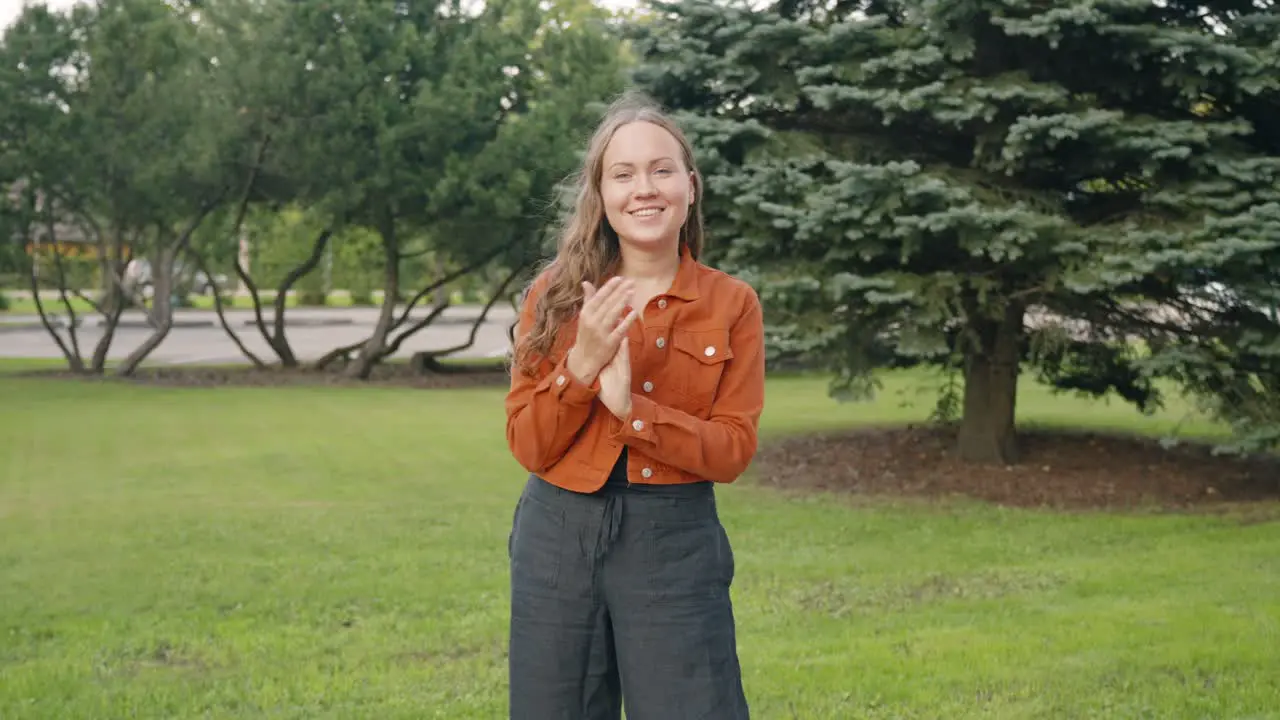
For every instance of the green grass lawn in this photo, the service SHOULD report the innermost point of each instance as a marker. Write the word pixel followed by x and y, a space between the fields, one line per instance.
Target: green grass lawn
pixel 339 553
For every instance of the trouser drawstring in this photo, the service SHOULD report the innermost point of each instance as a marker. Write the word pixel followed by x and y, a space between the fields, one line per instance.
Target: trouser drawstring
pixel 610 525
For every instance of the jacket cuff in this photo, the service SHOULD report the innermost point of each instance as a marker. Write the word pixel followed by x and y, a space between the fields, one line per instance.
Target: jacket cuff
pixel 566 387
pixel 638 425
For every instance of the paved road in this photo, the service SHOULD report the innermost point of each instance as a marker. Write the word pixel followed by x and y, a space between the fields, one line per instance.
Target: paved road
pixel 198 338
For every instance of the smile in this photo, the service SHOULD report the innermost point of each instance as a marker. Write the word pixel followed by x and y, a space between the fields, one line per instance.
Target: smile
pixel 646 212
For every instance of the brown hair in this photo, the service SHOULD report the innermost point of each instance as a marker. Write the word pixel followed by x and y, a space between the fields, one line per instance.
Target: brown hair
pixel 588 247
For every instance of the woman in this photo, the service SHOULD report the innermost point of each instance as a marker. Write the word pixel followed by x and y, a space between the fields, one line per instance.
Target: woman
pixel 638 384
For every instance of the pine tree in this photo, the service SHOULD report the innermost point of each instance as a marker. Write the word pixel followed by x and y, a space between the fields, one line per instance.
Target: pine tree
pixel 991 186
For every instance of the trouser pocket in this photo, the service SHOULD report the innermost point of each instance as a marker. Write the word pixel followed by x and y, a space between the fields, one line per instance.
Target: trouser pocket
pixel 536 544
pixel 688 559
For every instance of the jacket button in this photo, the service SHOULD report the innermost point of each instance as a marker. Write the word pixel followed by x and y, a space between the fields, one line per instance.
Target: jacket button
pixel 638 425
pixel 711 350
pixel 662 342
pixel 662 303
pixel 647 472
pixel 560 380
pixel 648 386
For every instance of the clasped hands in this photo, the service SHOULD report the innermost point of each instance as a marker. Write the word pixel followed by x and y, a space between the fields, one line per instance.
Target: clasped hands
pixel 601 348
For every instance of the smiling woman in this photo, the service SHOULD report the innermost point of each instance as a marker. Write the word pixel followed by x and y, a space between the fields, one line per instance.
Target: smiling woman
pixel 647 188
pixel 639 386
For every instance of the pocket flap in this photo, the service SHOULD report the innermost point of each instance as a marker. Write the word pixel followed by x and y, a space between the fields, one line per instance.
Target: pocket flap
pixel 708 347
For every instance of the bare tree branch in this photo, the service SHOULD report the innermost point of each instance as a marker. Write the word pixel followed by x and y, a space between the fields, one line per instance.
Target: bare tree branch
pixel 72 320
pixel 422 359
pixel 436 310
pixel 221 312
pixel 345 351
pixel 236 227
pixel 294 275
pixel 74 360
pixel 466 270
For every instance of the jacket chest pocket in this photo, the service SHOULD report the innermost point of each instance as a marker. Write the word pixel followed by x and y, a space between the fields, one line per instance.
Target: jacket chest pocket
pixel 697 363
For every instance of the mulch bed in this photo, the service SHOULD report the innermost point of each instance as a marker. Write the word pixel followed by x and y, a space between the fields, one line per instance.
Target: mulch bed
pixel 388 375
pixel 1061 470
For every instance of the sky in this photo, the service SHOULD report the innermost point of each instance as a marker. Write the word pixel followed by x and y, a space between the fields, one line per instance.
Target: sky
pixel 10 9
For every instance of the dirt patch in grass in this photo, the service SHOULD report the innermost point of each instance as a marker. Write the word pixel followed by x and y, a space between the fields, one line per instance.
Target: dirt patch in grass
pixel 839 597
pixel 162 657
pixel 1064 470
pixel 482 374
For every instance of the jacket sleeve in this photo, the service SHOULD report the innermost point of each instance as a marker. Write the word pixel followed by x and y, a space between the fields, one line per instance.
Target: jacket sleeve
pixel 545 411
pixel 721 447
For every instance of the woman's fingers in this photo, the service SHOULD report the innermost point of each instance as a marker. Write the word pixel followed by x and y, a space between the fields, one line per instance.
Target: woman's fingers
pixel 602 306
pixel 620 332
pixel 612 307
pixel 592 297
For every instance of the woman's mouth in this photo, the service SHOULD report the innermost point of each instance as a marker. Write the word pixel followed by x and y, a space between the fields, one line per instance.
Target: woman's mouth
pixel 646 212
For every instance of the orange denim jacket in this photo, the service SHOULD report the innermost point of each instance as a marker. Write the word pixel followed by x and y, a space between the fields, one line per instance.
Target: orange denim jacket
pixel 697 383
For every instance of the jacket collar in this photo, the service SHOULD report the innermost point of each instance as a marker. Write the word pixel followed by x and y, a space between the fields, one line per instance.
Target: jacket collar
pixel 685 284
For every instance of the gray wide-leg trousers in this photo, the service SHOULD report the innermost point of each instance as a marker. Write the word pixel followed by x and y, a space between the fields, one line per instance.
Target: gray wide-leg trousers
pixel 622 593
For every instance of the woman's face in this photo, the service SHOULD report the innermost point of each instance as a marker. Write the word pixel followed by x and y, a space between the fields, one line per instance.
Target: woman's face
pixel 645 187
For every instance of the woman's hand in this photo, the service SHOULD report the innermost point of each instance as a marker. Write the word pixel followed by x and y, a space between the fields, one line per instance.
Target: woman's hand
pixel 615 382
pixel 600 331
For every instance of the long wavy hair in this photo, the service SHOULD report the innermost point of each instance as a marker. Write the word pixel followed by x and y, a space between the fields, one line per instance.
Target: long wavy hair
pixel 588 248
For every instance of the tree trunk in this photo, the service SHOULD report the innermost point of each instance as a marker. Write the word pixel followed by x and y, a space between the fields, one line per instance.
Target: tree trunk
pixel 161 312
pixel 987 429
pixel 114 300
pixel 162 277
pixel 112 311
pixel 374 347
pixel 277 339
